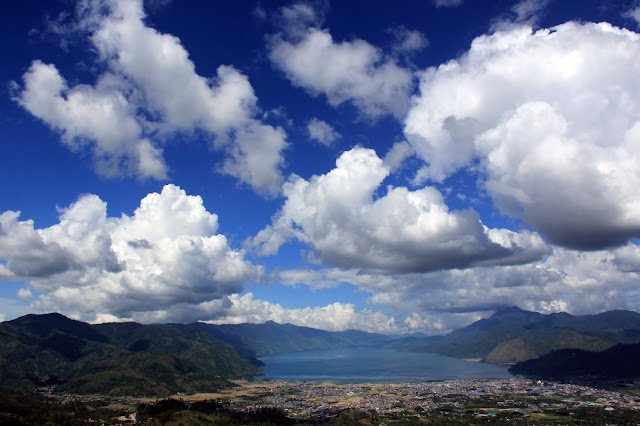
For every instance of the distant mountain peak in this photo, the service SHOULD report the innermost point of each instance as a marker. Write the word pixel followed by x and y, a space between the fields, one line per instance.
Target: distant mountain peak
pixel 561 315
pixel 44 324
pixel 508 309
pixel 515 311
pixel 51 315
pixel 49 320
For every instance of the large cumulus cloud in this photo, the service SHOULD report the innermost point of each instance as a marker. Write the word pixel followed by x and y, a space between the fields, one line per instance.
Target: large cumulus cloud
pixel 167 253
pixel 340 217
pixel 553 117
pixel 164 263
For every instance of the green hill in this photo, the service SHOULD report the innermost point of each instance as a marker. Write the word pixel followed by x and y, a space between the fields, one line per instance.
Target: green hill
pixel 617 362
pixel 515 350
pixel 116 358
pixel 532 345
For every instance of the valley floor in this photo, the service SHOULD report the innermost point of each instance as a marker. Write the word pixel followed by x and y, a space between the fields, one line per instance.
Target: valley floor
pixel 505 401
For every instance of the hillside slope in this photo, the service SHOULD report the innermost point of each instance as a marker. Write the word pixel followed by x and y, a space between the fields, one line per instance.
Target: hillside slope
pixel 116 358
pixel 617 362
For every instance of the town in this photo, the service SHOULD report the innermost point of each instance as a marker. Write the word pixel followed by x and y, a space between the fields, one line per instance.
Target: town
pixel 516 397
pixel 498 401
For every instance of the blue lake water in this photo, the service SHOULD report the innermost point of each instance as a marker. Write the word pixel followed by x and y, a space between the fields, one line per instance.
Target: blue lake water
pixel 367 365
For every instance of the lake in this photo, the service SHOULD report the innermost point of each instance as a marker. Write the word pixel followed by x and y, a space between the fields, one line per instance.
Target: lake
pixel 368 365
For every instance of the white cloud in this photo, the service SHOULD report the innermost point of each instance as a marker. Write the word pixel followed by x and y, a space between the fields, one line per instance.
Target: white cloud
pixel 100 116
pixel 129 106
pixel 398 153
pixel 527 11
pixel 634 14
pixel 568 280
pixel 524 12
pixel 255 157
pixel 553 118
pixel 156 5
pixel 166 262
pixel 333 317
pixel 403 231
pixel 5 273
pixel 25 252
pixel 408 42
pixel 237 309
pixel 347 71
pixel 167 253
pixel 627 258
pixel 12 308
pixel 321 132
pixel 24 294
pixel 296 18
pixel 447 3
pixel 328 278
pixel 182 98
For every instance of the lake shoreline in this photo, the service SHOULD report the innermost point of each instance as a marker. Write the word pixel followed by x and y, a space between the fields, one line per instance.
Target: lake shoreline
pixel 373 365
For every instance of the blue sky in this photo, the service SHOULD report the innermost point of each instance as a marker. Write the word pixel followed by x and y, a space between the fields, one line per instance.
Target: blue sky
pixel 339 165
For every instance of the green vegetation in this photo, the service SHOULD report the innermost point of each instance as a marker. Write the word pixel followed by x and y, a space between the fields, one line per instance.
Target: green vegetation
pixel 114 359
pixel 29 409
pixel 135 359
pixel 514 350
pixel 536 343
pixel 617 363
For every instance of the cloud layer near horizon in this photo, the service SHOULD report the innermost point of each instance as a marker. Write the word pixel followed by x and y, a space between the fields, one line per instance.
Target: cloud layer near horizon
pixel 565 281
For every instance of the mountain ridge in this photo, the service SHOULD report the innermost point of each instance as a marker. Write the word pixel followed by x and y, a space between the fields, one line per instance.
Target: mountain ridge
pixel 158 359
pixel 114 358
pixel 539 333
pixel 271 338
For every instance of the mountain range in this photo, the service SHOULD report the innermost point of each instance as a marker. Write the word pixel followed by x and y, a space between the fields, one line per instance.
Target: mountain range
pixel 273 338
pixel 514 335
pixel 158 359
pixel 510 335
pixel 162 359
